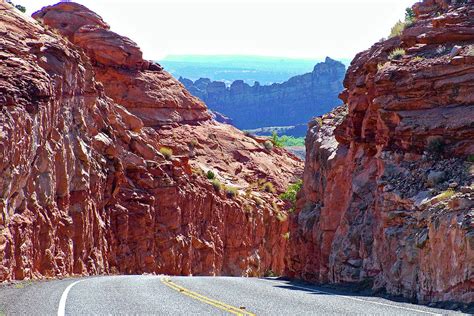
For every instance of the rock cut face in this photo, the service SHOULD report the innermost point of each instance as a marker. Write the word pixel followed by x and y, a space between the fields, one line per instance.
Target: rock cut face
pixel 87 186
pixel 142 86
pixel 388 197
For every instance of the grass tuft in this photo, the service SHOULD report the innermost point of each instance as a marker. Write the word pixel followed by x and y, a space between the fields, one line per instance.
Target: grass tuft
pixel 397 54
pixel 167 152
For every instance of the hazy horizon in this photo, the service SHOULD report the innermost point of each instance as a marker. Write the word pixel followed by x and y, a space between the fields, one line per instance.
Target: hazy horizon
pixel 297 29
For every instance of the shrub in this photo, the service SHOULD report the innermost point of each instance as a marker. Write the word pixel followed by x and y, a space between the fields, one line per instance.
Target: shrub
pixel 268 187
pixel 396 54
pixel 381 66
pixel 276 140
pixel 470 158
pixel 210 175
pixel 19 7
pixel 435 146
pixel 291 193
pixel 167 152
pixel 397 29
pixel 400 26
pixel 418 59
pixel 270 274
pixel 216 184
pixel 231 191
pixel 410 17
pixel 268 145
pixel 446 194
pixel 286 235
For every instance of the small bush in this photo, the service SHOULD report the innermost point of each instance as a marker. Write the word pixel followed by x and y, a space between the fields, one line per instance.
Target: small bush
pixel 268 145
pixel 216 184
pixel 396 54
pixel 276 140
pixel 446 194
pixel 319 120
pixel 410 17
pixel 418 59
pixel 268 187
pixel 397 29
pixel 231 191
pixel 291 193
pixel 470 158
pixel 17 6
pixel 210 175
pixel 400 26
pixel 435 146
pixel 286 235
pixel 270 274
pixel 167 152
pixel 381 66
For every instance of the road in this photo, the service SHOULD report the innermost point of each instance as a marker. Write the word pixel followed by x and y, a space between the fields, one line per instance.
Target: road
pixel 163 295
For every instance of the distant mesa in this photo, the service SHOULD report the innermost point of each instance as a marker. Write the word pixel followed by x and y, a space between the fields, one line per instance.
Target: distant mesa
pixel 290 103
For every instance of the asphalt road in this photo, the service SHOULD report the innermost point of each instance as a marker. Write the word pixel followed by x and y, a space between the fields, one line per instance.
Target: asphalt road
pixel 162 295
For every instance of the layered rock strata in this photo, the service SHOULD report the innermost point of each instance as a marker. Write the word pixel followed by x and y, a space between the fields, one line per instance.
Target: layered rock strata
pixel 388 197
pixel 88 182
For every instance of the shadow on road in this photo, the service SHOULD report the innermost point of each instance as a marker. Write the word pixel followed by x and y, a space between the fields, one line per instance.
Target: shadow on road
pixel 363 290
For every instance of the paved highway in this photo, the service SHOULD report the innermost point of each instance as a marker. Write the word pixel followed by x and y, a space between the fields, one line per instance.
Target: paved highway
pixel 163 295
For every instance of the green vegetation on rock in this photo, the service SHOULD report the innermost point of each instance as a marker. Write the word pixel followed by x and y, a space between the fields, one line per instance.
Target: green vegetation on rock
pixel 291 193
pixel 287 141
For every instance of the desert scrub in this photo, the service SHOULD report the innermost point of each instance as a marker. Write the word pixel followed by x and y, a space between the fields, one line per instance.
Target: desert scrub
pixel 270 274
pixel 277 141
pixel 268 187
pixel 418 59
pixel 268 145
pixel 435 146
pixel 470 158
pixel 167 152
pixel 445 195
pixel 210 175
pixel 397 54
pixel 400 26
pixel 230 191
pixel 216 184
pixel 286 236
pixel 291 193
pixel 381 66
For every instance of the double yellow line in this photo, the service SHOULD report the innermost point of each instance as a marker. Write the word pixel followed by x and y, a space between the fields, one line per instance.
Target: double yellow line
pixel 223 306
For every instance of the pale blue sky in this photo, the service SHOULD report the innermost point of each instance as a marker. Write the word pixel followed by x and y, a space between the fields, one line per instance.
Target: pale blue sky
pixel 286 28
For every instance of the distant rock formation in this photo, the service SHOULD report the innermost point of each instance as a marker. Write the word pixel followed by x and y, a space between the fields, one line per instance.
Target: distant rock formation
pixel 292 102
pixel 388 197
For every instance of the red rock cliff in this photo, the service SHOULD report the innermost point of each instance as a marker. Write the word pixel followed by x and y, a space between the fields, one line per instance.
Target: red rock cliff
pixel 388 184
pixel 84 188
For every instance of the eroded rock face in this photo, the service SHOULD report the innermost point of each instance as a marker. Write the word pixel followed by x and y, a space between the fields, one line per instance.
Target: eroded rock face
pixel 84 188
pixel 388 195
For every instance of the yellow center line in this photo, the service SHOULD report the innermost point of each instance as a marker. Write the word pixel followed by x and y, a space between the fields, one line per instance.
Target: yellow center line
pixel 223 306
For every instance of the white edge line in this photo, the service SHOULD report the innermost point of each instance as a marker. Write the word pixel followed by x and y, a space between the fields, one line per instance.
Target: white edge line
pixel 355 298
pixel 62 302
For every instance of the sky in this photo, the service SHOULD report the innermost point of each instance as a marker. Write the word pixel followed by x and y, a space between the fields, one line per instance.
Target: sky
pixel 283 28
